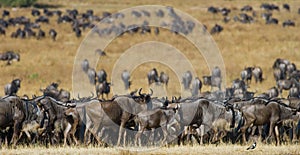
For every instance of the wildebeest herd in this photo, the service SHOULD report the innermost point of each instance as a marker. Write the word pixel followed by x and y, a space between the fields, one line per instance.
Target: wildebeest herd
pixel 233 115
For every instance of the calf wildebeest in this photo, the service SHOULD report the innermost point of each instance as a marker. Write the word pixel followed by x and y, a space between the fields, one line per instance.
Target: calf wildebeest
pixel 125 76
pixel 187 78
pixel 12 88
pixel 246 74
pixel 152 76
pixel 196 86
pixel 85 65
pixel 152 119
pixel 101 75
pixel 9 56
pixel 216 29
pixel 258 74
pixel 164 78
pixel 103 88
pixel 91 73
pixel 288 23
pixel 53 34
pixel 271 113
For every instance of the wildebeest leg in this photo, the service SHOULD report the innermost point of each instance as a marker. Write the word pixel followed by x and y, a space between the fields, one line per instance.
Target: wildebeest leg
pixel 272 125
pixel 248 123
pixel 14 139
pixel 121 131
pixel 66 131
pixel 201 134
pixel 165 134
pixel 138 136
pixel 294 128
pixel 277 135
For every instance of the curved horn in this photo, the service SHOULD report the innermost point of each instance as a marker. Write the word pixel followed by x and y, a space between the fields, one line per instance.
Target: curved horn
pixel 92 94
pixel 140 91
pixel 151 92
pixel 79 97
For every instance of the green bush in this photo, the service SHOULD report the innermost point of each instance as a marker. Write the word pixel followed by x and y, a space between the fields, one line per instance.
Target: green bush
pixel 17 3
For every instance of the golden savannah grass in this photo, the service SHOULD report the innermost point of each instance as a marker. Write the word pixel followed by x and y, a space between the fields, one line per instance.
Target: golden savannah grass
pixel 45 61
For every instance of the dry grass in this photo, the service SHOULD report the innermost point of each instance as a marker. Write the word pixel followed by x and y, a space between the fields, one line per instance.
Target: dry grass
pixel 208 149
pixel 43 62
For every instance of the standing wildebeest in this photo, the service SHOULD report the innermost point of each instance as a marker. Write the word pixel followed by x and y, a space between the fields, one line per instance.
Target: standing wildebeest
pixel 294 92
pixel 59 95
pixel 101 75
pixel 216 29
pixel 258 74
pixel 91 73
pixel 126 79
pixel 187 78
pixel 12 88
pixel 285 84
pixel 152 119
pixel 164 78
pixel 196 86
pixel 213 82
pixel 85 65
pixel 152 76
pixel 9 56
pixel 246 74
pixel 53 34
pixel 103 88
pixel 41 34
pixel 279 74
pixel 271 113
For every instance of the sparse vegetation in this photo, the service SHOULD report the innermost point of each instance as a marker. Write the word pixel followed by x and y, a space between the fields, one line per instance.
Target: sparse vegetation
pixel 17 3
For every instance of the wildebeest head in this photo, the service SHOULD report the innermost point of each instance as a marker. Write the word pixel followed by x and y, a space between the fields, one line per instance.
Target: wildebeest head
pixel 145 97
pixel 17 82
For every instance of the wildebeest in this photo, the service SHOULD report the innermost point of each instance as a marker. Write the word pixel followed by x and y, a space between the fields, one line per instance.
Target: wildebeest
pixel 271 113
pixel 85 65
pixel 103 88
pixel 9 56
pixel 285 84
pixel 294 92
pixel 35 12
pixel 152 76
pixel 125 76
pixel 5 13
pixel 196 86
pixel 246 74
pixel 41 34
pixel 272 21
pixel 53 34
pixel 101 75
pixel 213 10
pixel 187 78
pixel 12 88
pixel 91 73
pixel 59 95
pixel 288 23
pixel 216 29
pixel 247 8
pixel 279 74
pixel 258 74
pixel 286 6
pixel 152 119
pixel 164 78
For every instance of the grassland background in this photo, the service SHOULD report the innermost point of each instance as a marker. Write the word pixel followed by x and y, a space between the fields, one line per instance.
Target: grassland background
pixel 43 62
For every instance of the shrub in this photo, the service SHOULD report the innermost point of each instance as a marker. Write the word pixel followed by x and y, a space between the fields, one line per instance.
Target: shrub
pixel 17 3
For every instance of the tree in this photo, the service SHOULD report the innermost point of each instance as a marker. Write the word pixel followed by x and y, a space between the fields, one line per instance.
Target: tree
pixel 17 3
